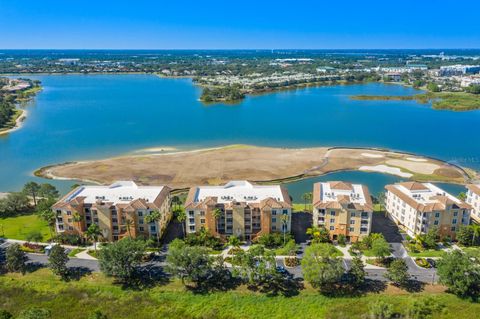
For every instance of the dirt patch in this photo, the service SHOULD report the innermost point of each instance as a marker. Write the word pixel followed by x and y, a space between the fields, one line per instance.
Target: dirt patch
pixel 217 166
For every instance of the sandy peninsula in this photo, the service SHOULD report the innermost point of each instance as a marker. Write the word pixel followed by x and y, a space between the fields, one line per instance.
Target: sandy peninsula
pixel 182 169
pixel 18 123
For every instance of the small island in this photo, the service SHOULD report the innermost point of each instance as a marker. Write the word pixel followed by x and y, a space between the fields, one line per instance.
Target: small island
pixel 12 93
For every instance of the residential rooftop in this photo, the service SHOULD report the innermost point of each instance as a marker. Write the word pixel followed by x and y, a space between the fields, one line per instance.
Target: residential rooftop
pixel 241 191
pixel 120 192
pixel 425 196
pixel 335 194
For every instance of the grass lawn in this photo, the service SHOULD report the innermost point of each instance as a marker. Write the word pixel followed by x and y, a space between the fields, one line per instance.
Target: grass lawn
pixel 428 253
pixel 80 298
pixel 75 251
pixel 474 251
pixel 19 227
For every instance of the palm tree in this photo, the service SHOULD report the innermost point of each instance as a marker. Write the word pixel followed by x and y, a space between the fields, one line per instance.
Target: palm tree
pixel 154 217
pixel 233 241
pixel 284 219
pixel 476 232
pixel 77 218
pixel 93 232
pixel 129 224
pixel 181 217
pixel 217 213
pixel 307 197
pixel 176 201
pixel 381 201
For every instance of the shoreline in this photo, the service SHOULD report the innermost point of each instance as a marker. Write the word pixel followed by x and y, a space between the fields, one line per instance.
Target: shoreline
pixel 332 159
pixel 18 123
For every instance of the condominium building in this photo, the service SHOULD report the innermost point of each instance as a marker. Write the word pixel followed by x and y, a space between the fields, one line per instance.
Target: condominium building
pixel 473 198
pixel 238 208
pixel 343 208
pixel 120 210
pixel 416 207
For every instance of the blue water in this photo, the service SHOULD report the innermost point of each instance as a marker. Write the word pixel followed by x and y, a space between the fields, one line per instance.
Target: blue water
pixel 81 117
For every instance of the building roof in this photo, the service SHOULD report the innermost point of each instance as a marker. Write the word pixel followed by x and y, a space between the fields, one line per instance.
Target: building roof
pixel 119 193
pixel 338 195
pixel 474 188
pixel 425 197
pixel 239 192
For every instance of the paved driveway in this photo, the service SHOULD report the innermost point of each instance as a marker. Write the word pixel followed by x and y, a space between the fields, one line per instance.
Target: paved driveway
pixel 300 223
pixel 384 225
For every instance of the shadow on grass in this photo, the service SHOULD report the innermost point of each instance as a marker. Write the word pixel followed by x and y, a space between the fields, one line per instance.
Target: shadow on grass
pixel 219 281
pixel 146 276
pixel 76 273
pixel 414 286
pixel 345 289
pixel 33 266
pixel 281 284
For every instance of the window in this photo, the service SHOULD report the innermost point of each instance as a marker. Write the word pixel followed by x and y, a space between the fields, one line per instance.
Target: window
pixel 59 211
pixel 454 221
pixel 351 229
pixel 140 214
pixel 332 213
pixel 60 227
pixel 274 212
pixel 453 228
pixel 332 220
pixel 69 213
pixel 274 227
pixel 285 211
pixel 141 228
pixel 202 213
pixel 364 214
pixel 455 214
pixel 352 214
pixel 332 227
pixel 70 228
pixel 191 213
pixel 274 220
pixel 437 215
pixel 140 221
pixel 352 222
pixel 153 228
pixel 114 220
pixel 115 227
pixel 192 228
pixel 191 220
pixel 202 221
pixel 435 222
pixel 70 220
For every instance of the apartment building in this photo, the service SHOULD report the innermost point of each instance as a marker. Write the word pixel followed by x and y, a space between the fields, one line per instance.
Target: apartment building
pixel 343 208
pixel 119 209
pixel 238 208
pixel 416 207
pixel 473 199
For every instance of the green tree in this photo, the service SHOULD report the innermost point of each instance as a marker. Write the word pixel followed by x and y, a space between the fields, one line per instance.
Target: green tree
pixel 35 313
pixel 93 232
pixel 176 201
pixel 319 234
pixel 5 314
pixel 433 87
pixel 48 191
pixel 475 232
pixel 462 196
pixel 256 266
pixel 234 241
pixel 120 258
pixel 57 261
pixel 191 264
pixel 424 308
pixel 460 274
pixel 431 238
pixel 398 272
pixel 381 201
pixel 356 274
pixel 381 310
pixel 16 259
pixel 181 217
pixel 465 235
pixel 14 203
pixel 380 248
pixel 153 218
pixel 32 189
pixel 45 212
pixel 319 268
pixel 473 88
pixel 306 198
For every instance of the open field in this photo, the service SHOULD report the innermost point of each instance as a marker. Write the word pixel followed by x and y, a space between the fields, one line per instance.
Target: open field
pixel 77 299
pixel 456 101
pixel 184 169
pixel 19 227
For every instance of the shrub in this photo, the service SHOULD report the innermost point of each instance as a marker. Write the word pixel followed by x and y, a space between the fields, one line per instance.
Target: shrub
pixel 273 240
pixel 380 310
pixel 424 308
pixel 35 313
pixel 292 261
pixel 342 240
pixel 33 248
pixel 34 236
pixel 5 314
pixel 15 259
pixel 70 239
pixel 204 239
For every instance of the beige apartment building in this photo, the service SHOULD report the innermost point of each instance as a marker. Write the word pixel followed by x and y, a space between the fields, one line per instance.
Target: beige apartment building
pixel 473 198
pixel 416 207
pixel 343 208
pixel 238 208
pixel 119 209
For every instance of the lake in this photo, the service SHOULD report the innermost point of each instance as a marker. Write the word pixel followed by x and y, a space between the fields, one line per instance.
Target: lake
pixel 81 117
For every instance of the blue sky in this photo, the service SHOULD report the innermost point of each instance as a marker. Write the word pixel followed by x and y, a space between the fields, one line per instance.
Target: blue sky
pixel 246 24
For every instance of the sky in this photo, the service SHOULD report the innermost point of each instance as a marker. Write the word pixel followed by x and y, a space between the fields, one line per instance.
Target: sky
pixel 240 24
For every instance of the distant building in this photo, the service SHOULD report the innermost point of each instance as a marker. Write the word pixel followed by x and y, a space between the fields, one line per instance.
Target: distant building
pixel 416 207
pixel 245 210
pixel 393 77
pixel 473 198
pixel 343 209
pixel 325 69
pixel 119 210
pixel 458 70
